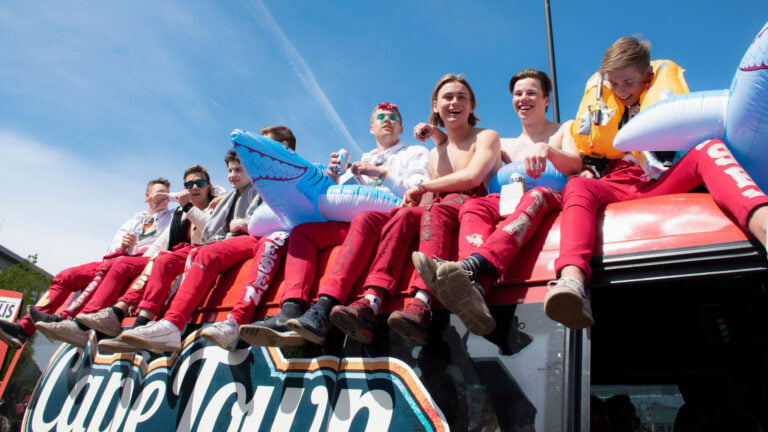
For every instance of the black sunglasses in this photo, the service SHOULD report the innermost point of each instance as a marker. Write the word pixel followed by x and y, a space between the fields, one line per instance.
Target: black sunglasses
pixel 199 183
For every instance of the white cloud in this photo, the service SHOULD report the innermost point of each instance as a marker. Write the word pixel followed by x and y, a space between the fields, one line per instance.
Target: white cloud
pixel 59 206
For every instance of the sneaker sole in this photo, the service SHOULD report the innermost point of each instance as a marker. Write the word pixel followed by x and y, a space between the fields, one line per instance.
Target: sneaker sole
pixel 96 325
pixel 67 338
pixel 10 340
pixel 304 332
pixel 426 268
pixel 212 339
pixel 411 333
pixel 464 300
pixel 351 327
pixel 263 336
pixel 569 309
pixel 111 346
pixel 149 346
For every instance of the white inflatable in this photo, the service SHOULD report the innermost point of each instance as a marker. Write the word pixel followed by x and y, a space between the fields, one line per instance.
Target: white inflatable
pixel 738 115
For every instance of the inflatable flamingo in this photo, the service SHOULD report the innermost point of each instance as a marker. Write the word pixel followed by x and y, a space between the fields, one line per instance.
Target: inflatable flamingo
pixel 738 115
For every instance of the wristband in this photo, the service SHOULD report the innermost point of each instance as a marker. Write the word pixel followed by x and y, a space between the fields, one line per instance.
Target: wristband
pixel 187 207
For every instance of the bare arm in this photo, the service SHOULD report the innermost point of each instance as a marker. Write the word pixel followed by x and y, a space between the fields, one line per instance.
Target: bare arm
pixel 485 160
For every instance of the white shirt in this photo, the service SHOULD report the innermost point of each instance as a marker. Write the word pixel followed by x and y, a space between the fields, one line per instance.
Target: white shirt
pixel 405 166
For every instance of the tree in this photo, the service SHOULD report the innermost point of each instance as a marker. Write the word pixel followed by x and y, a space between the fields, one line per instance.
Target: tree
pixel 31 281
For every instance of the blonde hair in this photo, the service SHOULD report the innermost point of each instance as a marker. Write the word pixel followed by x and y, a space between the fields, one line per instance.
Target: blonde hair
pixel 627 52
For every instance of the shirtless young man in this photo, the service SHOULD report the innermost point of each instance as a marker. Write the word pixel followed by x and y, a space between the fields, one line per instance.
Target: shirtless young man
pixel 461 166
pixel 486 249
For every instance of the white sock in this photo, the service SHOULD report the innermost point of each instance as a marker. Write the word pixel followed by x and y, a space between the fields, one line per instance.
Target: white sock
pixel 375 302
pixel 424 297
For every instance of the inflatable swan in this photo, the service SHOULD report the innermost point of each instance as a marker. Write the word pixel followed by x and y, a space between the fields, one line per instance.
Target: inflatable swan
pixel 738 116
pixel 298 191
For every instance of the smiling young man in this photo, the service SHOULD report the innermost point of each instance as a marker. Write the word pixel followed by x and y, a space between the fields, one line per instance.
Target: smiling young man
pixel 391 165
pixel 489 242
pixel 461 167
pixel 627 69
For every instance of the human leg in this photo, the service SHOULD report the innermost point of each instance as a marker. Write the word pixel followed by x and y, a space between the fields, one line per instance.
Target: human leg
pixel 267 253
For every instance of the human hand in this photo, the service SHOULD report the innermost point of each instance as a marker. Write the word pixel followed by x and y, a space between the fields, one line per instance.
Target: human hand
pixel 158 198
pixel 423 131
pixel 215 201
pixel 239 224
pixel 129 240
pixel 367 168
pixel 536 159
pixel 334 166
pixel 412 197
pixel 183 197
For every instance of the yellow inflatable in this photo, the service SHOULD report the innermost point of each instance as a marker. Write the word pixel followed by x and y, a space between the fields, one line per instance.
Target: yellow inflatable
pixel 600 112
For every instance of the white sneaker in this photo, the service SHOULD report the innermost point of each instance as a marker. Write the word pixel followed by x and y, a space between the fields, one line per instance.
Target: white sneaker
pixel 567 303
pixel 156 335
pixel 65 331
pixel 225 334
pixel 103 320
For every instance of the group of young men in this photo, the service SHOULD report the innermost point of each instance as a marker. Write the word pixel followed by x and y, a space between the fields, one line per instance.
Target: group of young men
pixel 443 189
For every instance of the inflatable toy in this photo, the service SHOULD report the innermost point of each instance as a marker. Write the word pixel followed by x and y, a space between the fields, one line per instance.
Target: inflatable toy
pixel 600 112
pixel 551 177
pixel 738 116
pixel 299 191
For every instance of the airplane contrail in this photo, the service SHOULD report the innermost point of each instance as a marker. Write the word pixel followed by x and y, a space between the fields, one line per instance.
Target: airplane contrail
pixel 303 71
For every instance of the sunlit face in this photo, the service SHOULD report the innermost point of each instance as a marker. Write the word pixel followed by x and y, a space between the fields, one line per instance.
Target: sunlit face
pixel 453 103
pixel 627 84
pixel 386 123
pixel 159 204
pixel 198 195
pixel 236 175
pixel 528 99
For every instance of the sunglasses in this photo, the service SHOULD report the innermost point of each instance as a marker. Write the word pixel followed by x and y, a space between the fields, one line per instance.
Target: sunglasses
pixel 199 183
pixel 382 116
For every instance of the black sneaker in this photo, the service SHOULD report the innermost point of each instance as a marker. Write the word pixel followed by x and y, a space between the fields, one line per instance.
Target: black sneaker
pixel 40 316
pixel 271 332
pixel 312 326
pixel 12 334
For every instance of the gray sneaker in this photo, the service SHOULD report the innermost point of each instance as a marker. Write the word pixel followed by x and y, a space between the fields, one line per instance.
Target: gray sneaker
pixel 156 335
pixel 225 334
pixel 65 331
pixel 567 303
pixel 427 268
pixel 464 297
pixel 118 345
pixel 104 321
pixel 271 332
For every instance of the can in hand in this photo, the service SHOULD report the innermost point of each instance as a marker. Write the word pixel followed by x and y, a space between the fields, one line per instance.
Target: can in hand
pixel 343 161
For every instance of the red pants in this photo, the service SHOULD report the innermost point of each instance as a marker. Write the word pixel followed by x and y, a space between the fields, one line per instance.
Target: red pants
pixel 479 233
pixel 63 284
pixel 165 268
pixel 435 222
pixel 308 239
pixel 122 271
pixel 709 163
pixel 211 259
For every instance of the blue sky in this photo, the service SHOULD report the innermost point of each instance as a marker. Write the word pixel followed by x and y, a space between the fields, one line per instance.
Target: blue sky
pixel 97 97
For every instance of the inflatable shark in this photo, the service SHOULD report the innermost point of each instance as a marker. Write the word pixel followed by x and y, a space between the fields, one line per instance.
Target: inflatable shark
pixel 299 191
pixel 738 116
